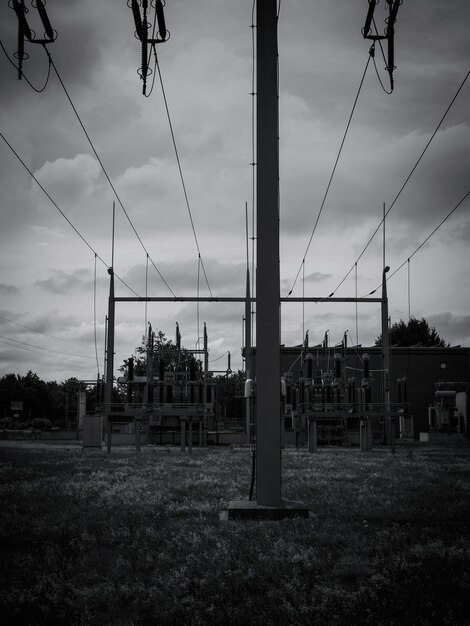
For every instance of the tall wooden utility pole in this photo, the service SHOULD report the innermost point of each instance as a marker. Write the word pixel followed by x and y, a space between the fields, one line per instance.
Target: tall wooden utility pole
pixel 268 336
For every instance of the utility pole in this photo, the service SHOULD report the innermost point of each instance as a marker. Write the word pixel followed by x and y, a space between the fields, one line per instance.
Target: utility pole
pixel 248 355
pixel 268 338
pixel 108 392
pixel 388 420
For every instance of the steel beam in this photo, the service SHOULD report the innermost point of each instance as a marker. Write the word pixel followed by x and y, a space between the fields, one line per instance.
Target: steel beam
pixel 237 299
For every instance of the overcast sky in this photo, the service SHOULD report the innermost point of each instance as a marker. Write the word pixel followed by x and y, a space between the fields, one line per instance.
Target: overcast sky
pixel 47 306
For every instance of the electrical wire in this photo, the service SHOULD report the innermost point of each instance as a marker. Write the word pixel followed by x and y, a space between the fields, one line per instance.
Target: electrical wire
pixel 61 212
pixel 407 260
pixel 332 173
pixel 36 89
pixel 154 73
pixel 180 170
pixel 34 330
pixel 30 345
pixel 406 181
pixel 104 170
pixel 385 61
pixel 219 357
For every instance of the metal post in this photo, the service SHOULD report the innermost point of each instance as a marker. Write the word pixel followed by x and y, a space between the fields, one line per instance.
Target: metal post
pixel 369 434
pixel 312 435
pixel 108 392
pixel 268 369
pixel 190 436
pixel 385 355
pixel 206 369
pixel 137 422
pixel 248 355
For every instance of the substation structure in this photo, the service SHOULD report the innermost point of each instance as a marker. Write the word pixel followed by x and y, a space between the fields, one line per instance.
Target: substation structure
pixel 328 402
pixel 173 401
pixel 169 397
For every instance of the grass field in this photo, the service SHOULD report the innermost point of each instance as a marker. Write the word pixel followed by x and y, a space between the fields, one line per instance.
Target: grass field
pixel 136 539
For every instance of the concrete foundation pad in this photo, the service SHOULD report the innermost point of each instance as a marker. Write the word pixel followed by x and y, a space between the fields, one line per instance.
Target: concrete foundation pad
pixel 250 510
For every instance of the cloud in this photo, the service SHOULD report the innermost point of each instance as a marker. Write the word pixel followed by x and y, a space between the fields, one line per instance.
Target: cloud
pixel 63 283
pixel 453 328
pixel 8 289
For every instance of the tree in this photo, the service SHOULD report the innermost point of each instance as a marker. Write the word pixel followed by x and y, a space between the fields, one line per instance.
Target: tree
pixel 163 348
pixel 413 333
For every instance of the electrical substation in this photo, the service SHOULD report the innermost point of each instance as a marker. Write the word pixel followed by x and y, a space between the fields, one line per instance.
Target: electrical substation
pixel 308 396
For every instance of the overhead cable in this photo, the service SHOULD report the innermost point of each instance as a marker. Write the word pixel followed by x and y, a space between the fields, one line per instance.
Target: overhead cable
pixel 181 171
pixel 61 212
pixel 333 172
pixel 30 345
pixel 105 172
pixel 36 89
pixel 404 184
pixel 407 260
pixel 34 330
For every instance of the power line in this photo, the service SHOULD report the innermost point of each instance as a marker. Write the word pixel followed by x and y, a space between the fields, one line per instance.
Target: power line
pixel 104 170
pixel 180 170
pixel 407 260
pixel 61 212
pixel 34 330
pixel 36 89
pixel 333 172
pixel 30 345
pixel 405 183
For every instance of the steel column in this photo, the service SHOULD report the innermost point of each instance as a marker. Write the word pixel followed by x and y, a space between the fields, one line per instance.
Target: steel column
pixel 268 369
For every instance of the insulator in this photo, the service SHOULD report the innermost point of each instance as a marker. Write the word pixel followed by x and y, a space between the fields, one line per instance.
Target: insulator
pixel 370 14
pixel 399 390
pixel 20 11
pixel 20 50
pixel 405 390
pixel 309 361
pixel 130 370
pixel 393 11
pixel 337 359
pixel 160 19
pixel 209 395
pixel 137 18
pixel 45 20
pixel 365 362
pixel 161 369
pixel 192 370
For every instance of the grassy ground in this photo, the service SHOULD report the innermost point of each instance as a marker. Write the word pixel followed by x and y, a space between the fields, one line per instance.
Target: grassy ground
pixel 136 539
